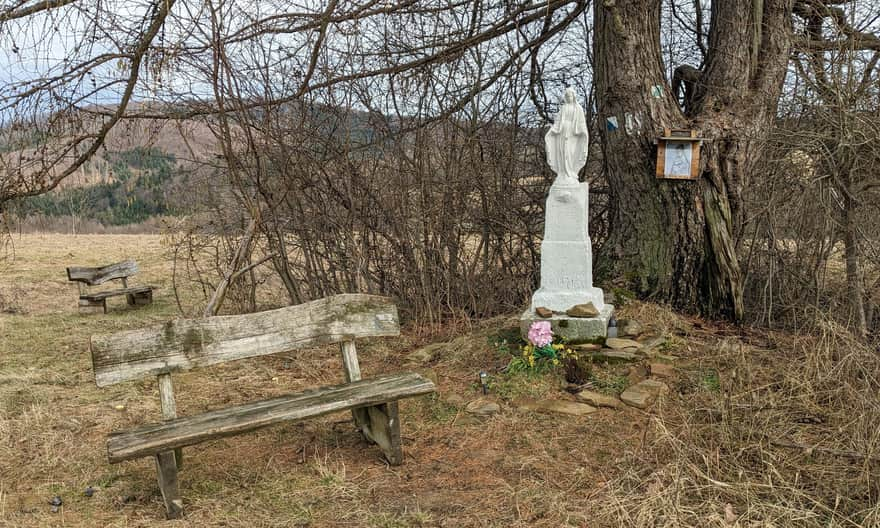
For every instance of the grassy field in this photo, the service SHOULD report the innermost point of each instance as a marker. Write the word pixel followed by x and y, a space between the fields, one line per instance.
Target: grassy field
pixel 705 456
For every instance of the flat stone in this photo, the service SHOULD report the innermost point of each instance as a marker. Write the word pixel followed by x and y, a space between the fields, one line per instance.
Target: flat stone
pixel 663 370
pixel 643 393
pixel 583 310
pixel 556 406
pixel 482 407
pixel 637 373
pixel 598 399
pixel 426 354
pixel 618 343
pixel 629 328
pixel 574 330
pixel 587 347
pixel 652 341
pixel 544 312
pixel 607 354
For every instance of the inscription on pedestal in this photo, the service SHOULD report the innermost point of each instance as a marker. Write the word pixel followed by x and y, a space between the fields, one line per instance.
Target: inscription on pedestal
pixel 565 283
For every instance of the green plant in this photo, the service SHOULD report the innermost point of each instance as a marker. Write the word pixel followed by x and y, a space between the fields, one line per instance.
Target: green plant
pixel 709 380
pixel 541 353
pixel 504 340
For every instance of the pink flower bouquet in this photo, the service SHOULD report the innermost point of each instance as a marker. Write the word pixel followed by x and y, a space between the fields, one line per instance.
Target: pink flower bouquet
pixel 540 334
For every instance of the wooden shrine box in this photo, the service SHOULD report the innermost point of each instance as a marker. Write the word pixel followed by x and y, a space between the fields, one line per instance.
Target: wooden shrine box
pixel 678 155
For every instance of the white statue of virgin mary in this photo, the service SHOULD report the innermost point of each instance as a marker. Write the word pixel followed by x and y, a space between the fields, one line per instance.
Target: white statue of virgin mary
pixel 567 141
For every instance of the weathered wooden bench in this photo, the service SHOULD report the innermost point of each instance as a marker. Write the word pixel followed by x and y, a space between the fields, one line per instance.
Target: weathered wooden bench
pixel 97 302
pixel 185 344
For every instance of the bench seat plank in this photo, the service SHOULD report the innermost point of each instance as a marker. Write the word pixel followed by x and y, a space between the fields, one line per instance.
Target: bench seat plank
pixel 99 296
pixel 186 431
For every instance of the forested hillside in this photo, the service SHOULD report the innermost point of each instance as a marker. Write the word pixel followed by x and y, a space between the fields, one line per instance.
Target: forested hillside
pixel 130 187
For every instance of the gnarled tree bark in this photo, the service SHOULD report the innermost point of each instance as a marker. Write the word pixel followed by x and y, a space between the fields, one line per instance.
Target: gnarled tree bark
pixel 677 240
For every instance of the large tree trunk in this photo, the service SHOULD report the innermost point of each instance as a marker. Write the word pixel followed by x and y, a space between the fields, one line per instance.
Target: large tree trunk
pixel 674 240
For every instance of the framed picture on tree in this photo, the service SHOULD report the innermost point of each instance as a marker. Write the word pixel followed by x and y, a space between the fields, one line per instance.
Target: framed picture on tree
pixel 678 155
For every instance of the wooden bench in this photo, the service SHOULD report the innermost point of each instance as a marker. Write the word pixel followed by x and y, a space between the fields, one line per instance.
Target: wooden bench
pixel 185 344
pixel 97 302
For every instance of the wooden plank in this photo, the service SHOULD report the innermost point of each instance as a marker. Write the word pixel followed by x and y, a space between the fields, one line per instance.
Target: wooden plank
pixel 350 361
pixel 156 438
pixel 661 160
pixel 169 409
pixel 695 161
pixel 166 470
pixel 134 290
pixel 143 298
pixel 384 430
pixel 352 370
pixel 185 344
pixel 90 306
pixel 166 397
pixel 96 276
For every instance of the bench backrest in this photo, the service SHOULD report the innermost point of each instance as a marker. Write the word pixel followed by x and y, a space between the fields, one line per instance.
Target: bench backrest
pixel 96 276
pixel 184 344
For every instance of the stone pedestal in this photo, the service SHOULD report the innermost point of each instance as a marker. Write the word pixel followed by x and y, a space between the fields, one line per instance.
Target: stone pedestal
pixel 574 330
pixel 567 266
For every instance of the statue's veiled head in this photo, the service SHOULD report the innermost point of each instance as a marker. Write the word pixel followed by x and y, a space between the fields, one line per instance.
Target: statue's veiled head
pixel 570 95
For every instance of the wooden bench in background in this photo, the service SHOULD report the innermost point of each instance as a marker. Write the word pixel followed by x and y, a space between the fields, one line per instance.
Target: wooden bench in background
pixel 185 344
pixel 97 302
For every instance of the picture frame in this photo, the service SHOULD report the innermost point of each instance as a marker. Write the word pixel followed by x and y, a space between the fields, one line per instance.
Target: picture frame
pixel 678 155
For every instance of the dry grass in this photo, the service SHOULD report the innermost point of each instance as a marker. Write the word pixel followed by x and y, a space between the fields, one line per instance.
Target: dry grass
pixel 709 444
pixel 790 438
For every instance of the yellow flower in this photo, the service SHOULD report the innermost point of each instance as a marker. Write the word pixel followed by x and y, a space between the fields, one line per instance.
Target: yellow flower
pixel 555 361
pixel 558 346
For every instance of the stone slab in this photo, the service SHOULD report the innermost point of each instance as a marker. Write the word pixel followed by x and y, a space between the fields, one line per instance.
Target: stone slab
pixel 597 399
pixel 662 370
pixel 556 406
pixel 629 328
pixel 615 356
pixel 618 343
pixel 482 407
pixel 573 329
pixel 643 393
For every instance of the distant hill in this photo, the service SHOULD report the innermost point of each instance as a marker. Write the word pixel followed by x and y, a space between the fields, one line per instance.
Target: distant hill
pixel 119 188
pixel 137 174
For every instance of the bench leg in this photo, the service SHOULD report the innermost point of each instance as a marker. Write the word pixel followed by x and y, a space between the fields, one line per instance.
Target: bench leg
pixel 166 467
pixel 129 299
pixel 361 419
pixel 384 430
pixel 142 299
pixel 87 306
